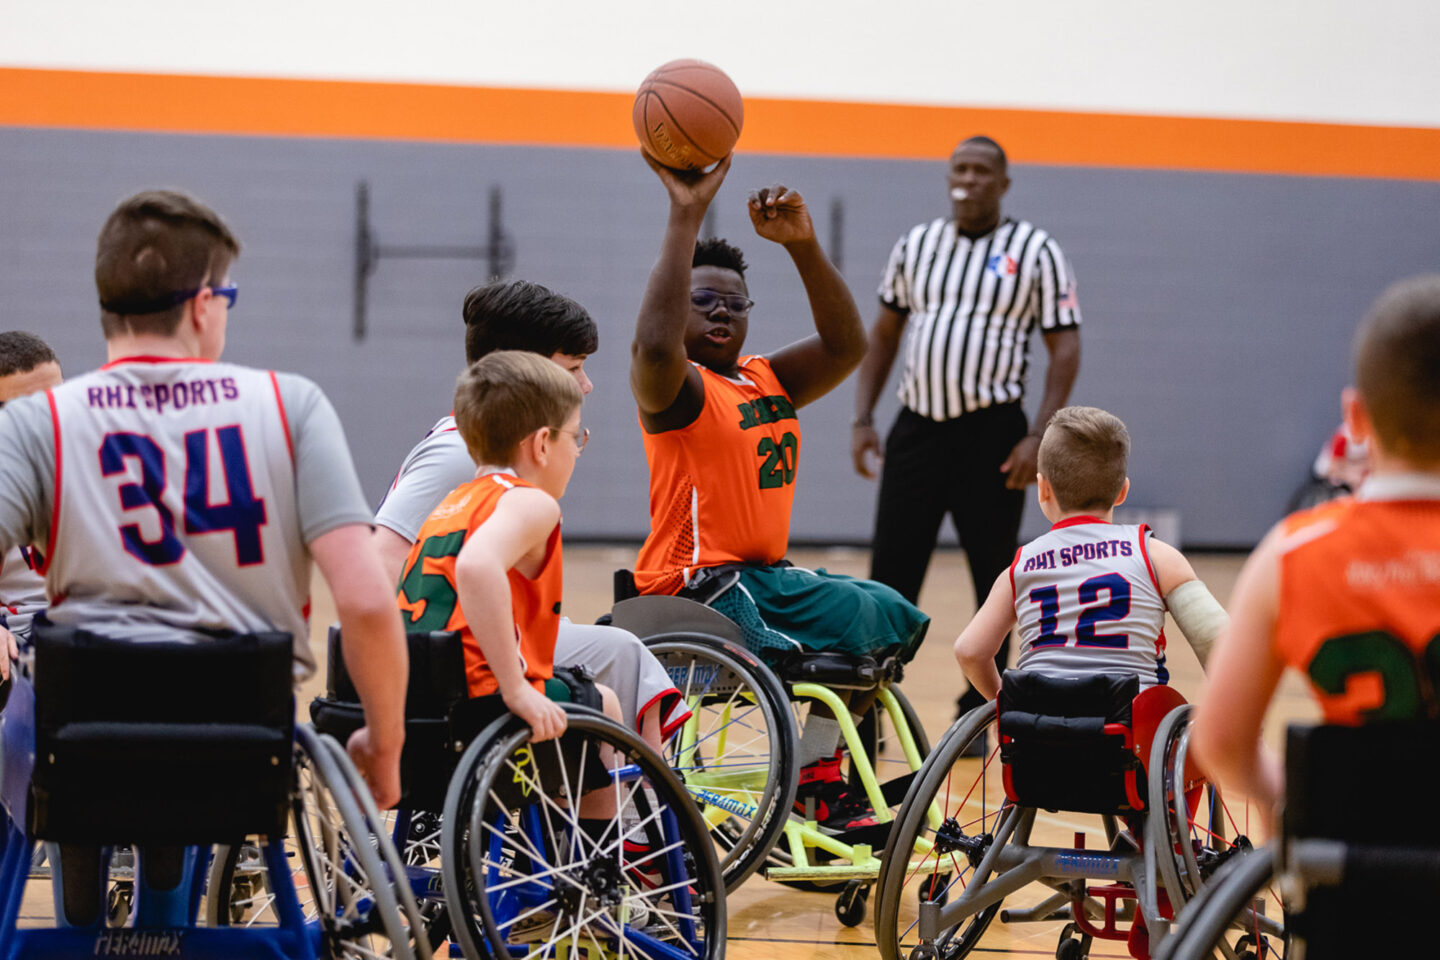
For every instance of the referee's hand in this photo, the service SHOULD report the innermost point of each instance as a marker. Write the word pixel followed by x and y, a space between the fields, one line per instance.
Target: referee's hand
pixel 865 449
pixel 1020 467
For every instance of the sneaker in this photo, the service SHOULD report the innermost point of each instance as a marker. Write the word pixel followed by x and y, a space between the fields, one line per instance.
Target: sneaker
pixel 835 806
pixel 533 928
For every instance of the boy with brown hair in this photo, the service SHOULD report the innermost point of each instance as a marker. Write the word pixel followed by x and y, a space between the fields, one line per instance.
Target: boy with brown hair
pixel 1347 592
pixel 1090 595
pixel 487 562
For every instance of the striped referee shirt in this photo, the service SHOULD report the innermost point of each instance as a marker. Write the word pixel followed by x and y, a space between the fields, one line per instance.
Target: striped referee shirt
pixel 971 306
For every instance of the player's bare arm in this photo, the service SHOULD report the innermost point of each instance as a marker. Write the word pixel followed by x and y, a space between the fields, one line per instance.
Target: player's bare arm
pixel 9 651
pixel 1064 349
pixel 666 387
pixel 512 538
pixel 394 548
pixel 978 643
pixel 884 343
pixel 375 653
pixel 1243 675
pixel 812 367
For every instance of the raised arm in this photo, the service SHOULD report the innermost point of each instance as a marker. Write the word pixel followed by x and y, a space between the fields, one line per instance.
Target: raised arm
pixel 660 375
pixel 812 367
pixel 874 371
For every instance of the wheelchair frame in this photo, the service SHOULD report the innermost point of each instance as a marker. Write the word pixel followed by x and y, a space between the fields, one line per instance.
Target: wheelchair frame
pixel 662 620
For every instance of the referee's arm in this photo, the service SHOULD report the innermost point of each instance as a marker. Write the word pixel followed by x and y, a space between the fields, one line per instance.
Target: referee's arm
pixel 874 371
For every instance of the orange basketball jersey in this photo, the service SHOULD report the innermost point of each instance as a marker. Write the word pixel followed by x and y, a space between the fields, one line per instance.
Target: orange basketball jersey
pixel 428 594
pixel 721 489
pixel 1360 601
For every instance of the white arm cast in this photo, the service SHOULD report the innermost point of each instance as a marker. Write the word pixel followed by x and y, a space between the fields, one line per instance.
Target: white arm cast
pixel 1199 615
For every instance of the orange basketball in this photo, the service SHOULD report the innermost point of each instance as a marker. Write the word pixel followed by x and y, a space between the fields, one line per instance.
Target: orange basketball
pixel 688 114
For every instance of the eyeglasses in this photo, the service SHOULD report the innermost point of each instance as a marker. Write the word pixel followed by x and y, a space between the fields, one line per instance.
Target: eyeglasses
pixel 582 437
pixel 706 300
pixel 230 292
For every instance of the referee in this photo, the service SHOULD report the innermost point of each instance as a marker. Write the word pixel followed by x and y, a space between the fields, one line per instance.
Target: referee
pixel 969 289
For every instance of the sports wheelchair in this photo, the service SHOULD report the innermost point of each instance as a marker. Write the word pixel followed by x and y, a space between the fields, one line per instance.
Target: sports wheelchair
pixel 738 752
pixel 172 745
pixel 964 841
pixel 1355 885
pixel 489 826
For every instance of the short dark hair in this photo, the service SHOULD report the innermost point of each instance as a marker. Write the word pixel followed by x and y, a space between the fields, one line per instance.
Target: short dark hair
pixel 21 352
pixel 507 395
pixel 717 252
pixel 519 315
pixel 1083 455
pixel 154 245
pixel 985 141
pixel 1397 368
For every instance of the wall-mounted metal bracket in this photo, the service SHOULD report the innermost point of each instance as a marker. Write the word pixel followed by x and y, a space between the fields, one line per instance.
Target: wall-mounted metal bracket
pixel 498 250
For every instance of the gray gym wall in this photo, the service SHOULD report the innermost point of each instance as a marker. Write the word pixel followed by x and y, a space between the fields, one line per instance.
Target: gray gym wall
pixel 1218 308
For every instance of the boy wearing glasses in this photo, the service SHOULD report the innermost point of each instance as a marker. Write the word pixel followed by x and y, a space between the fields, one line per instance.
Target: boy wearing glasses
pixel 168 492
pixel 722 442
pixel 520 315
pixel 487 562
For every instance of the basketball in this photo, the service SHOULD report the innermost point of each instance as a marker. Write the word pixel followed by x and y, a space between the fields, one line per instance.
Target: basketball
pixel 688 114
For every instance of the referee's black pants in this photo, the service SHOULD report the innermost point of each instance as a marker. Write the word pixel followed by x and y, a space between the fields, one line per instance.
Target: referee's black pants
pixel 952 467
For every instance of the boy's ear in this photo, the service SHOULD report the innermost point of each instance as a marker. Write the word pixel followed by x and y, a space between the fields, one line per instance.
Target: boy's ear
pixel 1357 415
pixel 1124 492
pixel 1044 493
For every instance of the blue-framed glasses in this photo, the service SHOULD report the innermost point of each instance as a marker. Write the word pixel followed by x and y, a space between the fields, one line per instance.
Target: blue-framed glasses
pixel 230 291
pixel 706 300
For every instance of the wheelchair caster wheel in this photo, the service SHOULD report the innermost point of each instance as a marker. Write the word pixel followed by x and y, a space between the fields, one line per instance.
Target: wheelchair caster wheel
pixel 935 889
pixel 1071 946
pixel 1247 949
pixel 925 951
pixel 118 901
pixel 850 907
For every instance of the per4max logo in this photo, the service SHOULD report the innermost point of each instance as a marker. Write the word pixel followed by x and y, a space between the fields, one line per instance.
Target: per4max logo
pixel 139 943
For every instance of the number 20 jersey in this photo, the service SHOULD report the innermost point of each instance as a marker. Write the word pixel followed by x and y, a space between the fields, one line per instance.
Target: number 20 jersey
pixel 1087 601
pixel 175 502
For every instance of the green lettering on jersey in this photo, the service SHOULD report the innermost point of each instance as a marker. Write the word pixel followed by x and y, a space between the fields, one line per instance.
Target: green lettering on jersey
pixel 434 589
pixel 1403 680
pixel 753 413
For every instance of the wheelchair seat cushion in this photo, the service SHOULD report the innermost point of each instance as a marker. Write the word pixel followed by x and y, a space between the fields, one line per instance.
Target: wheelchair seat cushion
pixel 163 742
pixel 784 609
pixel 1055 747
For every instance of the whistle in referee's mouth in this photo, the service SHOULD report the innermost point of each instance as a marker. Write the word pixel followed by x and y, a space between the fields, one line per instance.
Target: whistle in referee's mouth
pixel 959 193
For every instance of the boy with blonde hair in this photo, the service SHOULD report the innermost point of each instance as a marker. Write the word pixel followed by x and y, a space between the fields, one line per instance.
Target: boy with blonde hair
pixel 1090 595
pixel 487 562
pixel 1347 592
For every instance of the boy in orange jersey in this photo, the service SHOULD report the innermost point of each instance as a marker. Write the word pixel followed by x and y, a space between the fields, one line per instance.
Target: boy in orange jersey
pixel 722 441
pixel 1347 592
pixel 487 561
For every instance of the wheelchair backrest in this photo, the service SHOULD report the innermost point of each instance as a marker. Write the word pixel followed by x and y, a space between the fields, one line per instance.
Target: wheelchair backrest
pixel 437 673
pixel 160 741
pixel 1065 742
pixel 1335 776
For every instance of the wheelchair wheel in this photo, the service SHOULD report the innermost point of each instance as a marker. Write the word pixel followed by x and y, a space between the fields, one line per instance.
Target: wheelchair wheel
pixel 347 861
pixel 737 753
pixel 1225 905
pixel 947 823
pixel 525 876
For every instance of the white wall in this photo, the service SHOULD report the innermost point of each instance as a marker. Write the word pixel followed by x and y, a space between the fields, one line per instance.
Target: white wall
pixel 1324 60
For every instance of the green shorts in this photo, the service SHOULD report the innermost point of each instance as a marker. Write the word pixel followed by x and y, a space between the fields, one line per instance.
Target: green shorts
pixel 781 609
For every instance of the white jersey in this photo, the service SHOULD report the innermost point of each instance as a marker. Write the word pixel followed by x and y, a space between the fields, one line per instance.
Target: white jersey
pixel 438 464
pixel 22 590
pixel 1087 601
pixel 176 492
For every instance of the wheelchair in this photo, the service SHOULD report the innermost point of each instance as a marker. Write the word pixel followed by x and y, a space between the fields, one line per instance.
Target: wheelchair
pixel 738 752
pixel 965 839
pixel 489 832
pixel 172 745
pixel 1355 885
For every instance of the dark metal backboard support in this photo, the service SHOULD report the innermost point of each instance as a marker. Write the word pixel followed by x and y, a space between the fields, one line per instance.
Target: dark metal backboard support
pixel 498 250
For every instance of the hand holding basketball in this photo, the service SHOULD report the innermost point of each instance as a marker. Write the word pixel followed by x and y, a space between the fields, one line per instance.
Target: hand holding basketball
pixel 690 188
pixel 688 114
pixel 779 213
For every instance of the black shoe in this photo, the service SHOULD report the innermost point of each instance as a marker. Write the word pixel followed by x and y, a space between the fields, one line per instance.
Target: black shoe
pixel 979 747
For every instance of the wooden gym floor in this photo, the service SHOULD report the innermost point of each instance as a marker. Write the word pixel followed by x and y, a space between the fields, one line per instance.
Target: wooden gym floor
pixel 768 921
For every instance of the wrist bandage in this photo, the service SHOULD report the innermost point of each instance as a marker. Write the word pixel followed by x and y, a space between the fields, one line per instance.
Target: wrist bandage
pixel 1199 615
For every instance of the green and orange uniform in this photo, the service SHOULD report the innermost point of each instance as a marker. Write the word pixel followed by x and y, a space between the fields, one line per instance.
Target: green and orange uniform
pixel 1359 600
pixel 429 599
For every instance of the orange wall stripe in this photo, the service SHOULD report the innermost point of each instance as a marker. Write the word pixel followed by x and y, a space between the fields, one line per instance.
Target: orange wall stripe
pixel 397 111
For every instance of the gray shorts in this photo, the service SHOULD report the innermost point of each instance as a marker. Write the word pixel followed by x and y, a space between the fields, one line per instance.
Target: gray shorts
pixel 617 659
